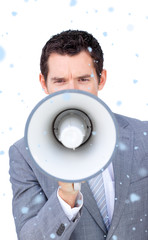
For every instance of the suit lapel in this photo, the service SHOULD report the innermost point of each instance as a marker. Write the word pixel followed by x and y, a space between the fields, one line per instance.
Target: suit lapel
pixel 122 170
pixel 91 205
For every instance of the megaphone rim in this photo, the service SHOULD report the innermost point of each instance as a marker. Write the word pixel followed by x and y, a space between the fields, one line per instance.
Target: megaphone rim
pixel 60 93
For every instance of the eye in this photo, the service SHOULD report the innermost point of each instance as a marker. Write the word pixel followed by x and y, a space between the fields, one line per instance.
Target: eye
pixel 59 81
pixel 84 79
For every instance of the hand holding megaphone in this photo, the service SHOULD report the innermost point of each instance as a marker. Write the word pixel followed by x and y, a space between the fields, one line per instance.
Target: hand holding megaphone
pixel 68 192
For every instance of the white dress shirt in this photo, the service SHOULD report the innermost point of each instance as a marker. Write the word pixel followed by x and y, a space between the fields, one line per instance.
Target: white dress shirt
pixel 109 185
pixel 71 212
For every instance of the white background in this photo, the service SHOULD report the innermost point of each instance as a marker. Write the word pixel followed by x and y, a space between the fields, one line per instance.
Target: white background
pixel 121 27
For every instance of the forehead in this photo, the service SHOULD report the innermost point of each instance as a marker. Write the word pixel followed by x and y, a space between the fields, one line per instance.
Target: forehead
pixel 63 63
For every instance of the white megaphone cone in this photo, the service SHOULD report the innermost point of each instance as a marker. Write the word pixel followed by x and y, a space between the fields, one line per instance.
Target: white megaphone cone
pixel 71 135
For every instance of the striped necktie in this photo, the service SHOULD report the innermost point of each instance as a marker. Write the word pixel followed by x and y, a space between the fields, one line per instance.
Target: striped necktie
pixel 97 187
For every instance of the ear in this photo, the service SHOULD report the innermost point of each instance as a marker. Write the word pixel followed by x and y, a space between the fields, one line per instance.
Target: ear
pixel 43 83
pixel 102 79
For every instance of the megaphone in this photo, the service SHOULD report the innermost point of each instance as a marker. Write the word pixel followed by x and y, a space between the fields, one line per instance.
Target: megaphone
pixel 71 135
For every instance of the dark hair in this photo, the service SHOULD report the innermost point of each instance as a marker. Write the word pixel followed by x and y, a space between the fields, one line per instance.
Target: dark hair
pixel 72 42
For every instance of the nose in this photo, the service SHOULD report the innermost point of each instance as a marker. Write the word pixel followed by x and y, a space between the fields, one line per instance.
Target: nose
pixel 72 85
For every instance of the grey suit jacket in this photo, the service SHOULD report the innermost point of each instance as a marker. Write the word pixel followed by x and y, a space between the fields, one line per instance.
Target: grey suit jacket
pixel 38 214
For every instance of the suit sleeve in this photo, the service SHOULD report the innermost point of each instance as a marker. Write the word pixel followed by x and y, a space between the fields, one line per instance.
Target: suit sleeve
pixel 36 217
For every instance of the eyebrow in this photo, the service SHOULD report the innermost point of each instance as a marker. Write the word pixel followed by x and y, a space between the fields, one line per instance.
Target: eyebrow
pixel 82 76
pixel 57 78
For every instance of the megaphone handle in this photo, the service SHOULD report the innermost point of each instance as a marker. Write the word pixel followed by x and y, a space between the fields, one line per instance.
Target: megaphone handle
pixel 77 186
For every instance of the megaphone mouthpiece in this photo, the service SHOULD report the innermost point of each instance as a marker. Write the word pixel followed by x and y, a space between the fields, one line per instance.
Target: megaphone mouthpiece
pixel 71 137
pixel 72 128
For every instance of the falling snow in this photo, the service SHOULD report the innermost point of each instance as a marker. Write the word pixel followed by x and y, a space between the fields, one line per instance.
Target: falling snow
pixel 119 103
pixel 25 210
pixel 89 49
pixel 134 197
pixel 52 236
pixel 2 53
pixel 105 34
pixel 66 96
pixel 14 13
pixel 130 27
pixel 73 3
pixel 114 237
pixel 122 146
pixel 135 81
pixel 38 199
pixel 2 152
pixel 110 9
pixel 143 172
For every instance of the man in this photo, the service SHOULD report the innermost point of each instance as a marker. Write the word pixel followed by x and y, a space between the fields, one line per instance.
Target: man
pixel 46 209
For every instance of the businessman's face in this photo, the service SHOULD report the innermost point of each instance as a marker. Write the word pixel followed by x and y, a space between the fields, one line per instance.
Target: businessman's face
pixel 72 72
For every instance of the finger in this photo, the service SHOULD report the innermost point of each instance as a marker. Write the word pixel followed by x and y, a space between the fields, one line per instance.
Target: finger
pixel 66 187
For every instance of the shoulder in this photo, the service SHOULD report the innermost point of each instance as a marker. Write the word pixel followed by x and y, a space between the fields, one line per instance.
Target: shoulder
pixel 133 123
pixel 19 146
pixel 20 143
pixel 138 130
pixel 18 152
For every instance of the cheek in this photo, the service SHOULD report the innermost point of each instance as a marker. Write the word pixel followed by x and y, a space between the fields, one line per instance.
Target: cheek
pixel 50 87
pixel 93 89
pixel 53 88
